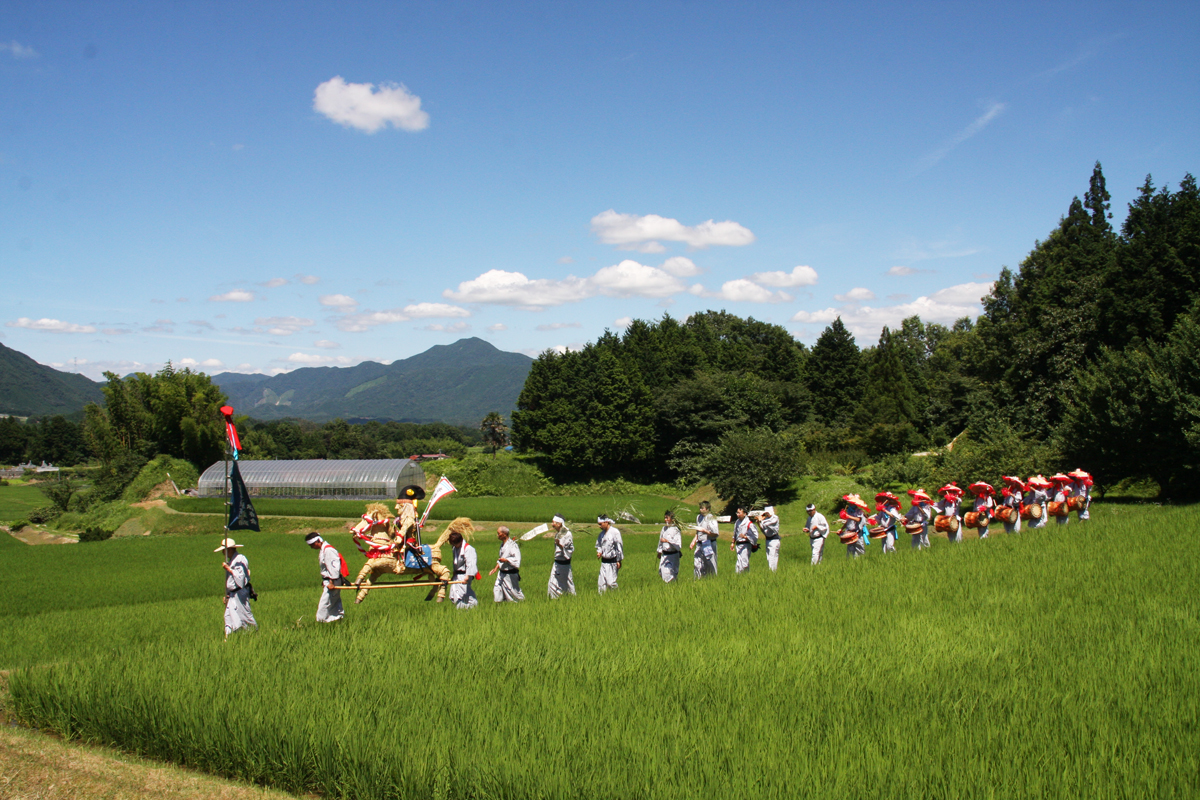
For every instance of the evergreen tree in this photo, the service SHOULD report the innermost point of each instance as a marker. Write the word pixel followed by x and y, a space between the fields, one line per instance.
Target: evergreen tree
pixel 834 374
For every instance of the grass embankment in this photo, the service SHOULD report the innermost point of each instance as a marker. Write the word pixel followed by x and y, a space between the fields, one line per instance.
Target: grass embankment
pixel 17 501
pixel 1058 662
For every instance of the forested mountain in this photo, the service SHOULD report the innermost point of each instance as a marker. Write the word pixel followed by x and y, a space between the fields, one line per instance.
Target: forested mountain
pixel 1088 355
pixel 457 383
pixel 28 388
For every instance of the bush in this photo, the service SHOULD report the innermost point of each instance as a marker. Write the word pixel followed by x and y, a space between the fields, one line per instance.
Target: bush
pixel 18 524
pixel 155 472
pixel 40 516
pixel 59 493
pixel 115 476
pixel 95 533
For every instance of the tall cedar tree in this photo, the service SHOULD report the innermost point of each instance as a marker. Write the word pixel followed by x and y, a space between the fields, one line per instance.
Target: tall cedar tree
pixel 835 374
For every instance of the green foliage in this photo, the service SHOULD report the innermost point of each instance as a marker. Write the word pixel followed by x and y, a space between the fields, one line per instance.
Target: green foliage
pixel 28 388
pixel 156 472
pixel 747 465
pixel 1013 649
pixel 59 492
pixel 44 514
pixel 476 475
pixel 95 534
pixel 18 524
pixel 16 501
pixel 495 432
pixel 835 374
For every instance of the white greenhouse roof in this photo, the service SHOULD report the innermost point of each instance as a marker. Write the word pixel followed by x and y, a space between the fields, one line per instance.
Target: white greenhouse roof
pixel 318 477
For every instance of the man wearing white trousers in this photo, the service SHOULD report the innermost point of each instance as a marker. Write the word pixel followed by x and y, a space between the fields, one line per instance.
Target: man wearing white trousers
pixel 508 582
pixel 768 523
pixel 466 567
pixel 329 608
pixel 670 547
pixel 817 529
pixel 610 550
pixel 562 581
pixel 704 559
pixel 745 540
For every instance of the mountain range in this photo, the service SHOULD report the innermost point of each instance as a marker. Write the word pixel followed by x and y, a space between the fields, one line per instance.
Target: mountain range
pixel 457 383
pixel 30 389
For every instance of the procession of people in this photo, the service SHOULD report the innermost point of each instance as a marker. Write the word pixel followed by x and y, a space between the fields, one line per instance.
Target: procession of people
pixel 391 544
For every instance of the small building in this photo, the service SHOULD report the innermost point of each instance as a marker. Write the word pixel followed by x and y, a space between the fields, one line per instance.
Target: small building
pixel 374 479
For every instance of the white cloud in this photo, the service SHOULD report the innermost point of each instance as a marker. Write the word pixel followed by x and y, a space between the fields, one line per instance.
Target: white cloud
pixel 990 113
pixel 282 326
pixel 626 279
pixel 901 272
pixel 356 323
pixel 454 327
pixel 51 325
pixel 944 306
pixel 745 291
pixel 192 363
pixel 566 260
pixel 558 326
pixel 499 326
pixel 17 50
pixel 799 276
pixel 307 280
pixel 680 267
pixel 337 301
pixel 361 106
pixel 325 344
pixel 643 233
pixel 856 295
pixel 236 296
pixel 275 283
pixel 312 360
pixel 623 322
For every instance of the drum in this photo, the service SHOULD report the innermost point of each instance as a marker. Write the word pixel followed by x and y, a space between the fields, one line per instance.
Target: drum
pixel 1006 514
pixel 847 537
pixel 1059 509
pixel 1077 503
pixel 975 519
pixel 877 533
pixel 945 524
pixel 913 527
pixel 1031 512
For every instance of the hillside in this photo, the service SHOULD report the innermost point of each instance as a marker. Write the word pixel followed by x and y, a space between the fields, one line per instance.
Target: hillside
pixel 28 388
pixel 457 383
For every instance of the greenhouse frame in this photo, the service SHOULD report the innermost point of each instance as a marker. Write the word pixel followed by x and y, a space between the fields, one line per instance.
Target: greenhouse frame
pixel 374 479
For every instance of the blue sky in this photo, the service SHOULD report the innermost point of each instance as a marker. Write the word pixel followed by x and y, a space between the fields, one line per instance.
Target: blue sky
pixel 266 186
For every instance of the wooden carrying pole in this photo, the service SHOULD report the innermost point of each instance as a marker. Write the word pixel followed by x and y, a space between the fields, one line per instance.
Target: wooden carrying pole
pixel 427 584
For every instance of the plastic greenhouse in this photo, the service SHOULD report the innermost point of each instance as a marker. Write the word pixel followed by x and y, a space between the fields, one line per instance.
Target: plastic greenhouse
pixel 344 480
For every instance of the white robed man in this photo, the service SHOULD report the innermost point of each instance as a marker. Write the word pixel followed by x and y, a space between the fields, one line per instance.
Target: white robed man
pixel 508 582
pixel 921 514
pixel 1013 496
pixel 948 507
pixel 610 549
pixel 704 543
pixel 745 540
pixel 237 588
pixel 887 513
pixel 562 580
pixel 984 506
pixel 1038 495
pixel 853 518
pixel 768 523
pixel 1081 486
pixel 1061 494
pixel 817 530
pixel 329 560
pixel 466 567
pixel 670 547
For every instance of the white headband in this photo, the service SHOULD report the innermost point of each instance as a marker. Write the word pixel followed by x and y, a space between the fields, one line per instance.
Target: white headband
pixel 559 520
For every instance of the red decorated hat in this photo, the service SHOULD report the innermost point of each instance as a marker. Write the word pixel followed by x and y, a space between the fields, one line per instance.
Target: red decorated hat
pixel 981 488
pixel 1038 482
pixel 1059 478
pixel 887 496
pixel 1013 480
pixel 950 488
pixel 919 495
pixel 855 500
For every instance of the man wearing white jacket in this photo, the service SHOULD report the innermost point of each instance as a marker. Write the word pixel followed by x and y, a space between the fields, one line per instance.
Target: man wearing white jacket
pixel 817 529
pixel 768 523
pixel 329 608
pixel 745 540
pixel 610 549
pixel 466 567
pixel 670 546
pixel 562 581
pixel 508 582
pixel 704 559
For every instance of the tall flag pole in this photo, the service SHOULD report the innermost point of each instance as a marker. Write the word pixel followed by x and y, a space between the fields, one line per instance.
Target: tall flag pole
pixel 242 516
pixel 443 488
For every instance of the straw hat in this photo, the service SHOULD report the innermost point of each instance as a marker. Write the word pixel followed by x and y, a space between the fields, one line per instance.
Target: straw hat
pixel 950 488
pixel 887 496
pixel 981 487
pixel 919 496
pixel 855 500
pixel 226 544
pixel 1059 478
pixel 1038 482
pixel 1013 480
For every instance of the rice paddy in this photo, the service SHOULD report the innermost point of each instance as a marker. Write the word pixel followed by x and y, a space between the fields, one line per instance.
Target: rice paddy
pixel 1058 662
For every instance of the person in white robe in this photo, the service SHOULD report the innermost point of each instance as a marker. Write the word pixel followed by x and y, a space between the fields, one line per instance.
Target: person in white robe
pixel 1081 486
pixel 768 523
pixel 853 518
pixel 745 540
pixel 704 543
pixel 562 580
pixel 948 507
pixel 508 564
pixel 610 550
pixel 237 588
pixel 921 513
pixel 1012 496
pixel 887 514
pixel 817 529
pixel 983 505
pixel 670 548
pixel 1062 493
pixel 466 567
pixel 329 560
pixel 1039 495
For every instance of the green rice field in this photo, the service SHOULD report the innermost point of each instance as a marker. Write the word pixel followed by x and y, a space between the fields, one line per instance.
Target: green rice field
pixel 18 500
pixel 1060 662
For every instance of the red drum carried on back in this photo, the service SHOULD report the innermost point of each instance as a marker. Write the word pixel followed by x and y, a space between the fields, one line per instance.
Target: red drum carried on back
pixel 1077 503
pixel 1032 512
pixel 1059 509
pixel 975 519
pixel 945 524
pixel 1006 514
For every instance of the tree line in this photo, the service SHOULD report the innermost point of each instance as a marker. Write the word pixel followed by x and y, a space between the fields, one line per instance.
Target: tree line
pixel 1085 355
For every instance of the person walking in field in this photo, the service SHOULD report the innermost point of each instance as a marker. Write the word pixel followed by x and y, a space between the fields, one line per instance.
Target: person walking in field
pixel 1062 493
pixel 948 507
pixel 562 581
pixel 1081 487
pixel 610 549
pixel 817 530
pixel 670 547
pixel 237 588
pixel 1039 495
pixel 333 573
pixel 1012 496
pixel 768 523
pixel 703 545
pixel 853 519
pixel 466 568
pixel 887 510
pixel 985 506
pixel 508 582
pixel 745 540
pixel 920 514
